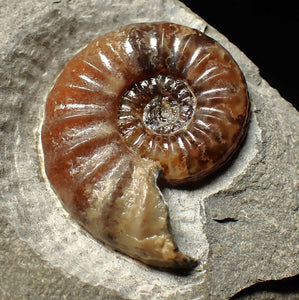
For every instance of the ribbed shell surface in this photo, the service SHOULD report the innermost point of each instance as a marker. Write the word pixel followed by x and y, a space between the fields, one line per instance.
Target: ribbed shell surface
pixel 144 100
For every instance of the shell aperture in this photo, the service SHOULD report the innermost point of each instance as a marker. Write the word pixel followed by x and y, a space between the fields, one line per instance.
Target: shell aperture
pixel 147 100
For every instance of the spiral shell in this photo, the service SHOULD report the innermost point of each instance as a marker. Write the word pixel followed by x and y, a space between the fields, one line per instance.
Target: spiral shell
pixel 144 101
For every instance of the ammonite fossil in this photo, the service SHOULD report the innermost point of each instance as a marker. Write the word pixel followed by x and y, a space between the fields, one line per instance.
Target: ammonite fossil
pixel 146 103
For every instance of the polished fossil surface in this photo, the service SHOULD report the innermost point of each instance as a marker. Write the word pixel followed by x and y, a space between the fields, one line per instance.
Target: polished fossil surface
pixel 147 102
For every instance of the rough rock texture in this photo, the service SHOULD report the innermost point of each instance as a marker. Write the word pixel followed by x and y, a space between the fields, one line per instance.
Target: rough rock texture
pixel 242 224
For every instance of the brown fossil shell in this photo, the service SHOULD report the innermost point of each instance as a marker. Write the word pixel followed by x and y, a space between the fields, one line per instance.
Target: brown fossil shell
pixel 145 99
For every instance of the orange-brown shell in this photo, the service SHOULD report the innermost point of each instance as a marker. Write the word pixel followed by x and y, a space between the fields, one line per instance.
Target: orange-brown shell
pixel 144 99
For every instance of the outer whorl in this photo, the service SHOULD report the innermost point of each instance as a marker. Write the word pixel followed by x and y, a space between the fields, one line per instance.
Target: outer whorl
pixel 144 100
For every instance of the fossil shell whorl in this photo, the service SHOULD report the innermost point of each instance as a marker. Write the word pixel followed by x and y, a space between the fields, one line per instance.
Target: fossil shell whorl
pixel 144 99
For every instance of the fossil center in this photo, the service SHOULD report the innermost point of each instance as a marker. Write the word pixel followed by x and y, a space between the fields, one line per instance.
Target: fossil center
pixel 163 104
pixel 160 114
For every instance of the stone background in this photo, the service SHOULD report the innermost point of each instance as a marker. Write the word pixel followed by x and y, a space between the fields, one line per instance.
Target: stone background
pixel 249 213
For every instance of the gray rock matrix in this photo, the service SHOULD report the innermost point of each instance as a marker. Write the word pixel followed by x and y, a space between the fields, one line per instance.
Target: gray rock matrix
pixel 249 218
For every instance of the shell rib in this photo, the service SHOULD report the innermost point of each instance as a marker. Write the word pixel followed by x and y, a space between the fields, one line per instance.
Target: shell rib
pixel 144 101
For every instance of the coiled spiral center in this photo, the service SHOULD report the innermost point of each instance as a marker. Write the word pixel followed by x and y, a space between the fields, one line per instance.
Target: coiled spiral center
pixel 161 105
pixel 161 114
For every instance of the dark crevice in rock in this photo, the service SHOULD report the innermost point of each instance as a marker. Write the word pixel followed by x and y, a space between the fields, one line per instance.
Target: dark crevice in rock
pixel 287 286
pixel 226 220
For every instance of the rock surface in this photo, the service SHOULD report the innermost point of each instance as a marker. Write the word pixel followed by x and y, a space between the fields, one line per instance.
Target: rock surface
pixel 242 224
